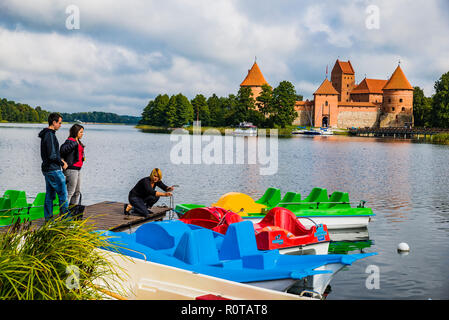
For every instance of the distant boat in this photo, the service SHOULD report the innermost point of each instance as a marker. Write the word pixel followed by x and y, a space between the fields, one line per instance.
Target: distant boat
pixel 299 130
pixel 246 129
pixel 314 132
pixel 78 121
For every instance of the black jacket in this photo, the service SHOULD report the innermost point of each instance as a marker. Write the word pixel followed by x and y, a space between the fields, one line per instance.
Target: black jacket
pixel 143 188
pixel 51 159
pixel 69 152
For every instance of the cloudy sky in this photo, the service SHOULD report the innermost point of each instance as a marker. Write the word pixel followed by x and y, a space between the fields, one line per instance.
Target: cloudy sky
pixel 124 53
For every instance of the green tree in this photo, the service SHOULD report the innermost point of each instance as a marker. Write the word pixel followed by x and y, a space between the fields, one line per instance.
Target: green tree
pixel 283 105
pixel 440 102
pixel 245 103
pixel 185 111
pixel 216 111
pixel 201 109
pixel 265 99
pixel 422 108
pixel 171 119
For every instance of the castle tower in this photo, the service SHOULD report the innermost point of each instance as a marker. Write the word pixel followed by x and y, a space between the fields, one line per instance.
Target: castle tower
pixel 254 80
pixel 343 79
pixel 326 105
pixel 397 103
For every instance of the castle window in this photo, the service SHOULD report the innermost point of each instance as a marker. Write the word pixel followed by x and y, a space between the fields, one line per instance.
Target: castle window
pixel 400 100
pixel 389 100
pixel 392 108
pixel 403 109
pixel 327 103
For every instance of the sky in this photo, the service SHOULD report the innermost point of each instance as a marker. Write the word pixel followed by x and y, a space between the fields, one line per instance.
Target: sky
pixel 115 56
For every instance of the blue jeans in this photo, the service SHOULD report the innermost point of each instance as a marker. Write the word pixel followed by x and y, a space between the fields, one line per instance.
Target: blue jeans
pixel 55 184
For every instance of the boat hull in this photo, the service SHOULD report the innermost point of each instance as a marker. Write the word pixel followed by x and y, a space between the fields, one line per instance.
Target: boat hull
pixel 332 222
pixel 145 280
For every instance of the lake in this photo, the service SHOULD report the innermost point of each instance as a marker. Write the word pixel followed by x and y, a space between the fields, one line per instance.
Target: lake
pixel 405 183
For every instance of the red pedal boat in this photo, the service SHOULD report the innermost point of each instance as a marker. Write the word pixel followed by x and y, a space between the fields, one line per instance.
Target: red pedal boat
pixel 279 229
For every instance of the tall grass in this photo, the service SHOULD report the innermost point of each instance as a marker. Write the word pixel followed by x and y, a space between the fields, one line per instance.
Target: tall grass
pixel 59 260
pixel 441 138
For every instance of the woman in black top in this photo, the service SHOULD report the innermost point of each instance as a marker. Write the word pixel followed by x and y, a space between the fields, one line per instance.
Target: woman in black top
pixel 144 195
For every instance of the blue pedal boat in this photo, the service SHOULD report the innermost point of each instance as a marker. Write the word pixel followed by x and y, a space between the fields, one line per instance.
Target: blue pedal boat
pixel 233 256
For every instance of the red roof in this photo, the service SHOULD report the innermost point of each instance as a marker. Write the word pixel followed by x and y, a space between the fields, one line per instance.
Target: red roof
pixel 254 77
pixel 398 81
pixel 326 88
pixel 344 66
pixel 370 86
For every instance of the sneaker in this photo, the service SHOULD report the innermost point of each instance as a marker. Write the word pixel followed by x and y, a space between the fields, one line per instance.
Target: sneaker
pixel 126 213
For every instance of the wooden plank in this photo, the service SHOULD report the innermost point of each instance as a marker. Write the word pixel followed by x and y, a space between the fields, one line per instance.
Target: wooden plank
pixel 108 215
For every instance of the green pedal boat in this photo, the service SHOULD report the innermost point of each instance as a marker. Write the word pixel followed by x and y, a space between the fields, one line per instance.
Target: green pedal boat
pixel 317 208
pixel 15 208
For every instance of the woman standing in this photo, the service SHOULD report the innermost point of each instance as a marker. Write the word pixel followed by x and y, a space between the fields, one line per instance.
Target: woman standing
pixel 72 151
pixel 144 195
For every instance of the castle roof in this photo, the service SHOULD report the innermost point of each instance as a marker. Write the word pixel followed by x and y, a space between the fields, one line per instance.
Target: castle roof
pixel 344 66
pixel 398 81
pixel 326 88
pixel 374 86
pixel 254 77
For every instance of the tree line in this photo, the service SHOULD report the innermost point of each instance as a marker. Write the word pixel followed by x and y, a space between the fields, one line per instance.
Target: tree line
pixel 17 112
pixel 432 111
pixel 272 108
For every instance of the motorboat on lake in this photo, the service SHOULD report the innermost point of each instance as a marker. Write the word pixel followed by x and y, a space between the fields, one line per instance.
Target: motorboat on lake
pixel 246 129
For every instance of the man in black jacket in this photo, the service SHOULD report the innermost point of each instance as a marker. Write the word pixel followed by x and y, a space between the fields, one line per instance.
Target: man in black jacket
pixel 51 167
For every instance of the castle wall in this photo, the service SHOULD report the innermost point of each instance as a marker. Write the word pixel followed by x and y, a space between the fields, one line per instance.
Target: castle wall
pixel 358 117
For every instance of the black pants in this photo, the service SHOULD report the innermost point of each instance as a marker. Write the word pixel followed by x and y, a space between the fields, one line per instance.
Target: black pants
pixel 141 205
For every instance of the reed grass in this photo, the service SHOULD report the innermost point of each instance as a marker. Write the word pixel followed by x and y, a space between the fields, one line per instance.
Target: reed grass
pixel 58 261
pixel 441 138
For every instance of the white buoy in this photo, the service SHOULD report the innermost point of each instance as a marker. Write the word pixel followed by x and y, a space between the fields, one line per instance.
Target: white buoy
pixel 403 247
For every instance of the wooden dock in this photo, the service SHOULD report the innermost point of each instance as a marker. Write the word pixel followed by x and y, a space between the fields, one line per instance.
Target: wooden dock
pixel 108 215
pixel 404 133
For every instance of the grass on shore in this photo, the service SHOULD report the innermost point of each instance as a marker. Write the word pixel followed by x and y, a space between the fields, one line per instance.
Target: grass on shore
pixel 441 138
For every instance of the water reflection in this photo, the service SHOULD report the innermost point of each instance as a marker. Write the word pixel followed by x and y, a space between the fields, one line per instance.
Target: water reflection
pixel 405 183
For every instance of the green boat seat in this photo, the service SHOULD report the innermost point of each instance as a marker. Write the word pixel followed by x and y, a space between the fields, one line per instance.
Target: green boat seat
pixel 8 214
pixel 270 198
pixel 315 196
pixel 18 198
pixel 36 209
pixel 288 197
pixel 337 196
pixel 295 199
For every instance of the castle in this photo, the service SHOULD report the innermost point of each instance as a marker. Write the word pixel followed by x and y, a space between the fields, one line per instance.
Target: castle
pixel 341 103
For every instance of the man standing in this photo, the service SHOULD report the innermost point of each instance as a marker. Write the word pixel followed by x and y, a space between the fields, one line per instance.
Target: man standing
pixel 51 167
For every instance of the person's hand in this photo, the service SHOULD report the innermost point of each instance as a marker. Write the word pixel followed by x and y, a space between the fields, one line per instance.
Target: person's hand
pixel 170 188
pixel 65 165
pixel 168 194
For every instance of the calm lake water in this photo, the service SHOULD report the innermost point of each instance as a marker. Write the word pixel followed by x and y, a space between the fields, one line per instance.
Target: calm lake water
pixel 405 183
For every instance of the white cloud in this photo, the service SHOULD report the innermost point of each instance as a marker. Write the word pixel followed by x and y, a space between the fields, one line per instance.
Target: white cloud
pixel 127 52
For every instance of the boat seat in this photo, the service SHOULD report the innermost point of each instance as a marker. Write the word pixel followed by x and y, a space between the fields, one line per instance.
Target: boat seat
pixel 316 195
pixel 239 241
pixel 161 235
pixel 197 247
pixel 294 198
pixel 18 198
pixel 336 196
pixel 270 198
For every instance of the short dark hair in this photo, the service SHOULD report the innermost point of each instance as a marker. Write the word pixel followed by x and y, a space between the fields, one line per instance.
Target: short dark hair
pixel 53 117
